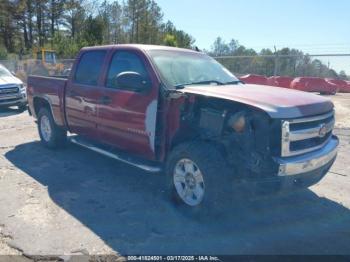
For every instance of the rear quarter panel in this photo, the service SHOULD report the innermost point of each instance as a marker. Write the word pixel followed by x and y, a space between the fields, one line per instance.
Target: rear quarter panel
pixel 52 90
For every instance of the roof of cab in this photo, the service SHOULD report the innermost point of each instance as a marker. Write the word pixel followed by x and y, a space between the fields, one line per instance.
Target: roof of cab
pixel 140 47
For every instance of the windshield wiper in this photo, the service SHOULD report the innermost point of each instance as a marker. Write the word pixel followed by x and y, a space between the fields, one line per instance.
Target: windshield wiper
pixel 206 82
pixel 233 82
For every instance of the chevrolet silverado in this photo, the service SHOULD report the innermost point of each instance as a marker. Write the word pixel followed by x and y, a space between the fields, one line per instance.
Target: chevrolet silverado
pixel 180 113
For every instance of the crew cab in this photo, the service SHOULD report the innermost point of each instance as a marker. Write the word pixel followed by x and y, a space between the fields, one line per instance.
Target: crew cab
pixel 180 113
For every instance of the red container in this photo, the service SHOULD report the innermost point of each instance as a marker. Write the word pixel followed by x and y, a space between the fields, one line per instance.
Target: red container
pixel 313 84
pixel 254 79
pixel 342 85
pixel 347 88
pixel 280 81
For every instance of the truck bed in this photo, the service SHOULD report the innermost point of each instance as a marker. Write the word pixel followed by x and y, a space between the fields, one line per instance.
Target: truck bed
pixel 50 89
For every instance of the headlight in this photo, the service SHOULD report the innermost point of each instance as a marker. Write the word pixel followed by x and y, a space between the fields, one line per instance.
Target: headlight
pixel 22 89
pixel 237 122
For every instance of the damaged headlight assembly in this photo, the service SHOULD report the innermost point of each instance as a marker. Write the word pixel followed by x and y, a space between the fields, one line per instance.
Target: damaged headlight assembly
pixel 237 122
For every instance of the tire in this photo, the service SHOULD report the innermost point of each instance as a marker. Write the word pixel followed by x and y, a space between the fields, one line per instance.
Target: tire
pixel 217 178
pixel 51 135
pixel 22 108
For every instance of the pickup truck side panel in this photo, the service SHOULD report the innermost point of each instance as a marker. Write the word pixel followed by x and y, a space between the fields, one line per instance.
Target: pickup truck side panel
pixel 82 102
pixel 82 109
pixel 129 120
pixel 48 89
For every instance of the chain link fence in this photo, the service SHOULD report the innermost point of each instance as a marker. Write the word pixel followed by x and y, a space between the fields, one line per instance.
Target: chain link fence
pixel 326 66
pixel 23 68
pixel 325 74
pixel 323 66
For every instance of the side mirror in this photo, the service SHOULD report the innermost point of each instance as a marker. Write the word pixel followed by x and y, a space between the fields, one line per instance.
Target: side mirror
pixel 132 81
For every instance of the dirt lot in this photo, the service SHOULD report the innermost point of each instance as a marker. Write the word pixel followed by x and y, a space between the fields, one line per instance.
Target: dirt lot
pixel 74 201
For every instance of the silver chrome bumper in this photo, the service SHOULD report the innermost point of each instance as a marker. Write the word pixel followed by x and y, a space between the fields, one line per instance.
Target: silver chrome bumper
pixel 9 100
pixel 310 161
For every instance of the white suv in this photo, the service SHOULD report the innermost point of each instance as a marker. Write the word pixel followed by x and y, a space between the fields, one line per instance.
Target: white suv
pixel 12 90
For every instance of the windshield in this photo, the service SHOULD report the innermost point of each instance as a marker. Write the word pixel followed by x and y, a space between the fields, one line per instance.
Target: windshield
pixel 50 57
pixel 178 68
pixel 4 72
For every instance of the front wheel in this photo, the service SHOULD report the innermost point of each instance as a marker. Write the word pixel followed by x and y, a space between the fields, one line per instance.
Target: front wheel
pixel 51 135
pixel 199 177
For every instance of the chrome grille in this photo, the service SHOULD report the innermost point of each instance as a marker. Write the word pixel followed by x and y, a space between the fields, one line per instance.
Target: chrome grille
pixel 304 135
pixel 9 90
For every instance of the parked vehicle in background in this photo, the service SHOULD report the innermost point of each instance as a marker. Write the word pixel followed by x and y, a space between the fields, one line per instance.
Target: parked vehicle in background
pixel 314 84
pixel 254 79
pixel 43 62
pixel 12 90
pixel 347 88
pixel 280 81
pixel 46 59
pixel 181 112
pixel 342 85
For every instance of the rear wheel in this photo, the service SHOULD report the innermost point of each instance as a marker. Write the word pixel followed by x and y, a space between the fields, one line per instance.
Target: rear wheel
pixel 199 179
pixel 51 135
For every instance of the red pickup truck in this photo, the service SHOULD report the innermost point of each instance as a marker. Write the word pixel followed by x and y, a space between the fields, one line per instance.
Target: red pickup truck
pixel 181 113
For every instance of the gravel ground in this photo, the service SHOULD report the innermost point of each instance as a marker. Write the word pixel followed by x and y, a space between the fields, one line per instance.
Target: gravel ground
pixel 72 202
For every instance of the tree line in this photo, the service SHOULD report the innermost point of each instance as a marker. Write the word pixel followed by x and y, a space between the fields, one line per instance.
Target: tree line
pixel 68 25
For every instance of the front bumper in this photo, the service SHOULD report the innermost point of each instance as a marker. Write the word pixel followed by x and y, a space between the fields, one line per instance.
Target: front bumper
pixel 295 172
pixel 13 100
pixel 308 162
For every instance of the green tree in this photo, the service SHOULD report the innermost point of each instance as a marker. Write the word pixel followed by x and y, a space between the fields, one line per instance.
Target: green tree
pixel 74 16
pixel 7 25
pixel 342 75
pixel 3 53
pixel 94 30
pixel 169 40
pixel 220 48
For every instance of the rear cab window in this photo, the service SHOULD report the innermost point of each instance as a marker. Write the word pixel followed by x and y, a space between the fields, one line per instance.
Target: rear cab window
pixel 89 68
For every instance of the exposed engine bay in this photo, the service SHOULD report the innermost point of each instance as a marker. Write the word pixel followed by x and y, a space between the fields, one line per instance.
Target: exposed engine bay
pixel 245 135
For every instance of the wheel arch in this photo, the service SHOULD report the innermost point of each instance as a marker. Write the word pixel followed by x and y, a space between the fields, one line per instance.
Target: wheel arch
pixel 42 102
pixel 182 135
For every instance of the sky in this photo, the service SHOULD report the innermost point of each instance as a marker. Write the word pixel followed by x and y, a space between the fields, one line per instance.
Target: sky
pixel 316 27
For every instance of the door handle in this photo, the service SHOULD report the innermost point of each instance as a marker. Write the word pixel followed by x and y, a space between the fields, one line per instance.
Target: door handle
pixel 105 100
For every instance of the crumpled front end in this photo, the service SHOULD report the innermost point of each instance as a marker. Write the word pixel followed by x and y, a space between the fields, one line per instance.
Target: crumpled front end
pixel 260 149
pixel 303 151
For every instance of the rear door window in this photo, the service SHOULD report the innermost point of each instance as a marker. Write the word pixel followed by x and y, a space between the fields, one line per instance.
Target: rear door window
pixel 89 68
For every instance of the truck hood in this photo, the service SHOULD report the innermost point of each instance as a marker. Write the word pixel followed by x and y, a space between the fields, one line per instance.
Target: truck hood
pixel 6 80
pixel 277 102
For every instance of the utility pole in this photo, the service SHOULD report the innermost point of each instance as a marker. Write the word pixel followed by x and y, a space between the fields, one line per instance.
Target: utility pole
pixel 276 62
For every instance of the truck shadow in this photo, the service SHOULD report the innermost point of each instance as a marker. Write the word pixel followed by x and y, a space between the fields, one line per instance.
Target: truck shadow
pixel 4 112
pixel 129 210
